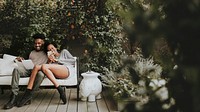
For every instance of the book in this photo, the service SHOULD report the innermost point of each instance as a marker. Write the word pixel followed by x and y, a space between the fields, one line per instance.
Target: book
pixel 28 64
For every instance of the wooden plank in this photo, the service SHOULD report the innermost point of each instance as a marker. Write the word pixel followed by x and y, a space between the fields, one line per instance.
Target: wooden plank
pixel 72 105
pixel 63 107
pixel 54 102
pixel 102 105
pixel 36 102
pixel 45 101
pixel 112 107
pixel 92 106
pixel 82 106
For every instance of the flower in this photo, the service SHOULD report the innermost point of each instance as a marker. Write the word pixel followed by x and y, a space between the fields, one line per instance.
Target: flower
pixel 156 83
pixel 162 94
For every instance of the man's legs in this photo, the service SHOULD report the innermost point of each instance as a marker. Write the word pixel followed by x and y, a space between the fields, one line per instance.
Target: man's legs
pixel 17 73
pixel 28 93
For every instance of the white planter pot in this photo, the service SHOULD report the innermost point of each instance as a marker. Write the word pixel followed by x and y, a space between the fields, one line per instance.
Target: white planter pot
pixel 90 86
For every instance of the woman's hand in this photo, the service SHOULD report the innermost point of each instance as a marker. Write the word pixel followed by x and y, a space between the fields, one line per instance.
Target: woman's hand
pixel 51 57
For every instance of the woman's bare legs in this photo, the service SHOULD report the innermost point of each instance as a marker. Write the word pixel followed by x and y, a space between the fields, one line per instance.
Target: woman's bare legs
pixel 53 71
pixel 33 75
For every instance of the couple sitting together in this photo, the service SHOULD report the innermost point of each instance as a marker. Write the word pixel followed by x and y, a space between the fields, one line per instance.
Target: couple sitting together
pixel 48 62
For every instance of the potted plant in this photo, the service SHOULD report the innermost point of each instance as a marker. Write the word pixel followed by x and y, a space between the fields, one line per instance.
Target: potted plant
pixel 139 81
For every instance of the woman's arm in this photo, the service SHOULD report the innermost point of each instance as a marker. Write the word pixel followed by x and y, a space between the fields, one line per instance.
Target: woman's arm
pixel 66 57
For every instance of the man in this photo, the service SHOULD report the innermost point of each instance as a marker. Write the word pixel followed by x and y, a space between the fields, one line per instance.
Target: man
pixel 38 56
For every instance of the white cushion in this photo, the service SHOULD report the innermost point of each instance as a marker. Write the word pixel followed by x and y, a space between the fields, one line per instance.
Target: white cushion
pixel 7 66
pixel 9 57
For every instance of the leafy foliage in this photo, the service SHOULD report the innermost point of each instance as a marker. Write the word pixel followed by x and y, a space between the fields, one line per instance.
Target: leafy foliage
pixel 103 39
pixel 21 19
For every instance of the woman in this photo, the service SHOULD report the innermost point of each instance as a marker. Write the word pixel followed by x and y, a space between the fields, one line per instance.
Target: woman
pixel 59 66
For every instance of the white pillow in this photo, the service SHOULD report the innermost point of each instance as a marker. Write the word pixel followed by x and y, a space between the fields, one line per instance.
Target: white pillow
pixel 6 67
pixel 9 57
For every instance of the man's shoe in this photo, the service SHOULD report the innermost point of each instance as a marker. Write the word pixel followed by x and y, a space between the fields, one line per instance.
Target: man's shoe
pixel 62 94
pixel 11 103
pixel 26 98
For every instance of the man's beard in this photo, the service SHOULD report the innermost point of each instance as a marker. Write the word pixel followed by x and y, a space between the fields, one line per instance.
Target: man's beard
pixel 38 48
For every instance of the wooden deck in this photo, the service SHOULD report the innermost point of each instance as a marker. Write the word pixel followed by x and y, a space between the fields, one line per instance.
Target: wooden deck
pixel 47 100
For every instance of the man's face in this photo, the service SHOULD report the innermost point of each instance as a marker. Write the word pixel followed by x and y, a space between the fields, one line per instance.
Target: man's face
pixel 38 44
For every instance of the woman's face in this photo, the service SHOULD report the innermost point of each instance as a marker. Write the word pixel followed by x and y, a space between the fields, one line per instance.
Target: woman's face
pixel 52 48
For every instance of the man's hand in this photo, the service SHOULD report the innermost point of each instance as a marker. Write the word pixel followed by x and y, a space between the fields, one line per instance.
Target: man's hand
pixel 19 59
